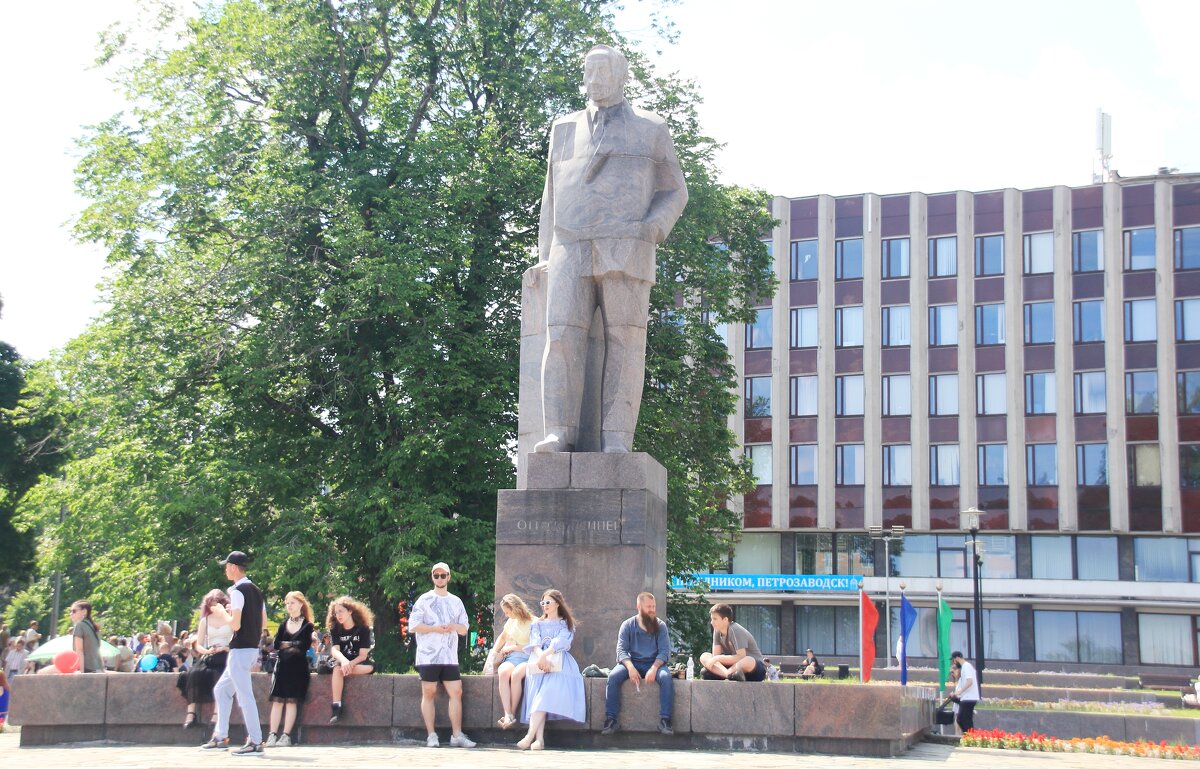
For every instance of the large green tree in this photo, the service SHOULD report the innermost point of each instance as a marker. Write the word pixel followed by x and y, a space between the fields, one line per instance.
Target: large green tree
pixel 317 215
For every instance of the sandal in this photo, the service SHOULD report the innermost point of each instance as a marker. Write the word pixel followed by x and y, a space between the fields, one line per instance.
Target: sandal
pixel 506 721
pixel 189 721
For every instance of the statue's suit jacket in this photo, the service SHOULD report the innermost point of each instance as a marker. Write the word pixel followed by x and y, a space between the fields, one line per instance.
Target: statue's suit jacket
pixel 617 185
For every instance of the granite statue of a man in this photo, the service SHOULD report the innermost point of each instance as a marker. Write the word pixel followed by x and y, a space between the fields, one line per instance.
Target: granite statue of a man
pixel 614 190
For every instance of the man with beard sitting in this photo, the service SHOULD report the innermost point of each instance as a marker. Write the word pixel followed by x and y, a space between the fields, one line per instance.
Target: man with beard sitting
pixel 643 649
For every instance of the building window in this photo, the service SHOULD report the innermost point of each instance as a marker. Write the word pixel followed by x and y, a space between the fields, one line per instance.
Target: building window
pixel 849 326
pixel 1187 385
pixel 757 553
pixel 1189 465
pixel 1052 557
pixel 897 465
pixel 760 463
pixel 1087 251
pixel 897 327
pixel 848 259
pixel 989 323
pixel 1039 253
pixel 1140 322
pixel 1096 557
pixel 943 395
pixel 1039 393
pixel 1139 249
pixel 763 624
pixel 850 468
pixel 804 327
pixel 1166 639
pixel 1187 248
pixel 993 464
pixel 1077 636
pixel 758 396
pixel 1089 320
pixel 989 255
pixel 1041 464
pixel 1187 320
pixel 758 333
pixel 1091 464
pixel 943 325
pixel 803 397
pixel 943 464
pixel 849 391
pixel 1141 392
pixel 802 469
pixel 897 395
pixel 1145 465
pixel 804 260
pixel 895 258
pixel 943 257
pixel 828 630
pixel 1039 323
pixel 814 554
pixel 991 394
pixel 1089 392
pixel 1166 559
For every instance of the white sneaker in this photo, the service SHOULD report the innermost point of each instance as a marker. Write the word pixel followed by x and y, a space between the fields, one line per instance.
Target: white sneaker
pixel 283 741
pixel 461 740
pixel 432 741
pixel 272 740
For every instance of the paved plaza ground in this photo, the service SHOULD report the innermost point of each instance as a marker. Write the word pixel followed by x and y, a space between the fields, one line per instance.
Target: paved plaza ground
pixel 413 756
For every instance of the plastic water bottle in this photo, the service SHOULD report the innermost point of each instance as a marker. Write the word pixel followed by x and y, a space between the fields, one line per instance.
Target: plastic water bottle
pixel 691 669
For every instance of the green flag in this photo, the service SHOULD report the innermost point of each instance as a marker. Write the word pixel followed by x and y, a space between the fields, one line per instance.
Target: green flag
pixel 944 617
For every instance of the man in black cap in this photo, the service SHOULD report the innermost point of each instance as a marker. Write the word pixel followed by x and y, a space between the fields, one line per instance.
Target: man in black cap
pixel 249 618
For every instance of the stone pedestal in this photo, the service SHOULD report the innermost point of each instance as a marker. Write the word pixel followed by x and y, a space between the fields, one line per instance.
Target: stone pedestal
pixel 593 526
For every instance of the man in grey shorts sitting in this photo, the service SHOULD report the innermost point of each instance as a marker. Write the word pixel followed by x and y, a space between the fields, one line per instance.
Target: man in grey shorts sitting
pixel 735 655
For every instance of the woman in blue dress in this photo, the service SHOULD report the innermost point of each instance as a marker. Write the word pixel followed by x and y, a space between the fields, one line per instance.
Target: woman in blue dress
pixel 549 693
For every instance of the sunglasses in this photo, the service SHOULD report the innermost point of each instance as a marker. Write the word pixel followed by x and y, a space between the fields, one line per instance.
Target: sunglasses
pixel 547 603
pixel 441 575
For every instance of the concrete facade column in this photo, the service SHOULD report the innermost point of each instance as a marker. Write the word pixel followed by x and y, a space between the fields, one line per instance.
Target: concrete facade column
pixel 1114 358
pixel 780 365
pixel 872 339
pixel 1064 361
pixel 826 433
pixel 968 487
pixel 1168 403
pixel 918 297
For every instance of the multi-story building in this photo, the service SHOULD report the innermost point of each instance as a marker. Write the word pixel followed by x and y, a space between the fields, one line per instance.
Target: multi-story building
pixel 1034 354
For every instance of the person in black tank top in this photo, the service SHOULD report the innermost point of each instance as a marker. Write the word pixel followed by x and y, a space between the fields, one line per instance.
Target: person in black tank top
pixel 248 618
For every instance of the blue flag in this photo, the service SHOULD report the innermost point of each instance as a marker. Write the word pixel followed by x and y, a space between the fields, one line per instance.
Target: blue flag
pixel 908 618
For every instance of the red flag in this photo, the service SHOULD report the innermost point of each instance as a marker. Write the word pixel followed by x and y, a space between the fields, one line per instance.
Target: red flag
pixel 869 619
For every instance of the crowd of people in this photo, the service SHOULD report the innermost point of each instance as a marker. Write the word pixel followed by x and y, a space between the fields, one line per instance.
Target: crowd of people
pixel 538 678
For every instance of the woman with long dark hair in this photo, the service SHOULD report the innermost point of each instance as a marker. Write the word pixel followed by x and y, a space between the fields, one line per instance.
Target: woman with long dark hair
pixel 350 644
pixel 554 688
pixel 211 647
pixel 87 638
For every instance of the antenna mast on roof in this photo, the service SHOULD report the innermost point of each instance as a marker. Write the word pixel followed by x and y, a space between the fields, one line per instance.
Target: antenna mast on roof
pixel 1103 146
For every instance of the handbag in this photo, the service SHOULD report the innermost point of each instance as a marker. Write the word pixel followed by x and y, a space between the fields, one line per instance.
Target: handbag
pixel 537 655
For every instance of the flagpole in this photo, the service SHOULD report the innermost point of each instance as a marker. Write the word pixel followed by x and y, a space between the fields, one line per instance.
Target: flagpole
pixel 861 651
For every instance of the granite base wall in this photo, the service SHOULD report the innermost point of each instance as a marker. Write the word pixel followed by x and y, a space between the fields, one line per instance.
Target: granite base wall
pixel 147 708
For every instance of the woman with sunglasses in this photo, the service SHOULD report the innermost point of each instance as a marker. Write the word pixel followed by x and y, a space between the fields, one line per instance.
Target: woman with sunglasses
pixel 555 687
pixel 509 655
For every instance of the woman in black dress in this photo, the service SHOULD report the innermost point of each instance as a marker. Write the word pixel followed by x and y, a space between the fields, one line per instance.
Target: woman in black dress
pixel 289 683
pixel 211 645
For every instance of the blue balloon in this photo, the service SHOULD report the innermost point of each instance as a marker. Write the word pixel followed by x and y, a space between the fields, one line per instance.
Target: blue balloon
pixel 148 663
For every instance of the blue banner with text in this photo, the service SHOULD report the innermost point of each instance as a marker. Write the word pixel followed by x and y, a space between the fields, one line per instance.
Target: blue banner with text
pixel 814 582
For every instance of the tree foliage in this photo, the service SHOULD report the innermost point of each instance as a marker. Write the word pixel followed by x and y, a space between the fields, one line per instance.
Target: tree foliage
pixel 317 215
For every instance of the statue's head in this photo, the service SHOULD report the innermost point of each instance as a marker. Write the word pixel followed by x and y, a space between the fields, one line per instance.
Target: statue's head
pixel 604 72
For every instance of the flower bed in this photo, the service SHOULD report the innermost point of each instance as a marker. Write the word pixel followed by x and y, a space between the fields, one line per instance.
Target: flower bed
pixel 1081 706
pixel 997 738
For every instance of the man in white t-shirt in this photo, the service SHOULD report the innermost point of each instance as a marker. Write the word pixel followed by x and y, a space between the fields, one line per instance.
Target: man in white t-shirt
pixel 438 619
pixel 967 691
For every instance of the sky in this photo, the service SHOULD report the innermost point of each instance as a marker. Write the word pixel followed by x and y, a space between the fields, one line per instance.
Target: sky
pixel 808 97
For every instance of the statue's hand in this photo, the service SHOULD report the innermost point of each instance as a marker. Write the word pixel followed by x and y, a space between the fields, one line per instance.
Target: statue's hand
pixel 651 232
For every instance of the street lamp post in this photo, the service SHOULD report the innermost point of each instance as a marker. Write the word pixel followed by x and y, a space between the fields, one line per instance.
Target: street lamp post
pixel 895 533
pixel 970 522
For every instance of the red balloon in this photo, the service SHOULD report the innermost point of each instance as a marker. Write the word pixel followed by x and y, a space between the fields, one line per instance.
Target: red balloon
pixel 66 662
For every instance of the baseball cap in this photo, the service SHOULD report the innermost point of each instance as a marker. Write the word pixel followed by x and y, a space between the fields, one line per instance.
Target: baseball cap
pixel 237 558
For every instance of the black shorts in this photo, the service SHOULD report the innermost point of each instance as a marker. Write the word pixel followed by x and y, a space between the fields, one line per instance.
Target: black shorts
pixel 431 674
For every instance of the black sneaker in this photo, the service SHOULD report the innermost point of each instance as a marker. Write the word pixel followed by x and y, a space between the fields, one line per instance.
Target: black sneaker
pixel 250 749
pixel 215 744
pixel 664 726
pixel 737 675
pixel 337 713
pixel 610 726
